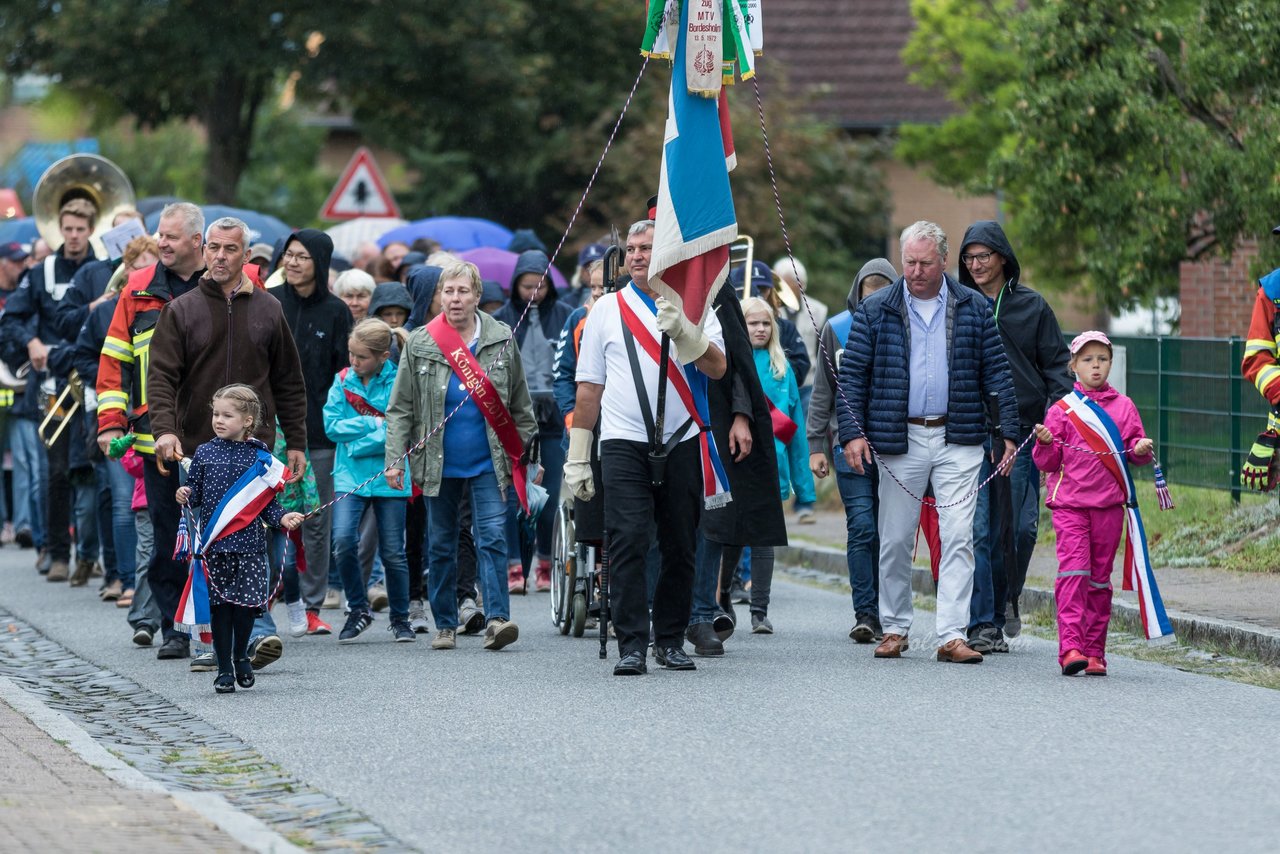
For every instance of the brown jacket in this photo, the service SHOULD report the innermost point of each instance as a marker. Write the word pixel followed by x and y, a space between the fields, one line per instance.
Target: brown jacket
pixel 204 341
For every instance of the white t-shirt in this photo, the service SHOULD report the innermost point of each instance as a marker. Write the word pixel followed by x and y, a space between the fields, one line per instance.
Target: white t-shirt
pixel 603 360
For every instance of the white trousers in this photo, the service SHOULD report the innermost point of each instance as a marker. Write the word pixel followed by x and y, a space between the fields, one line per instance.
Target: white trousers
pixel 953 469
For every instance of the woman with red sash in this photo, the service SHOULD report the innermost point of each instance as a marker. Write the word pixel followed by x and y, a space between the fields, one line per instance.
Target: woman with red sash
pixel 462 366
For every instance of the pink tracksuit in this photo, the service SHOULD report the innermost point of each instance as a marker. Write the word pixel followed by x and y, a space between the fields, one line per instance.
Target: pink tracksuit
pixel 1088 516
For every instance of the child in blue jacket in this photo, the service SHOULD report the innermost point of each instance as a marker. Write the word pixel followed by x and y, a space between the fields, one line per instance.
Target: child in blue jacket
pixel 355 419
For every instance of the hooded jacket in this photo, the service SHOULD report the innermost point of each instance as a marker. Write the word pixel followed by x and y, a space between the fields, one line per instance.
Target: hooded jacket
pixel 1081 481
pixel 361 439
pixel 552 316
pixel 823 424
pixel 1032 339
pixel 422 284
pixel 390 295
pixel 320 324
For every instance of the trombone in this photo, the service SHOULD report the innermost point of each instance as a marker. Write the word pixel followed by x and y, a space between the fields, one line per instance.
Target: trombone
pixel 75 388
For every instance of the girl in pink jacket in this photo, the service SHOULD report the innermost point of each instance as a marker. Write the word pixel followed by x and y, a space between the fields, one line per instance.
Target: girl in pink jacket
pixel 1088 501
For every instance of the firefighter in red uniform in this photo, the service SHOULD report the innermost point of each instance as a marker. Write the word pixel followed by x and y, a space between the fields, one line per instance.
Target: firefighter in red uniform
pixel 1261 366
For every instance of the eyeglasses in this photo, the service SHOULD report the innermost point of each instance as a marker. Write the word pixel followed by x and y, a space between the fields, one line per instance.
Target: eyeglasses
pixel 981 258
pixel 295 256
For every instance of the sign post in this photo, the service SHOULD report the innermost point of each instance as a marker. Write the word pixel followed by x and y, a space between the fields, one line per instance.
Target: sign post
pixel 361 191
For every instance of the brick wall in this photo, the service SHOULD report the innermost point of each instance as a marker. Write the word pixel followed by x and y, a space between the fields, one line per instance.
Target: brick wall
pixel 1217 295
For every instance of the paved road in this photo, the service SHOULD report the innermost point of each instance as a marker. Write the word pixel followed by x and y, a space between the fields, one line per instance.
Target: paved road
pixel 796 741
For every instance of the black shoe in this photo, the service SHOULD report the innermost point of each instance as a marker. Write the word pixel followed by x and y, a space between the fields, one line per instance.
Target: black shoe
pixel 760 624
pixel 632 664
pixel 673 658
pixel 142 636
pixel 244 673
pixel 357 622
pixel 23 538
pixel 704 639
pixel 1013 622
pixel 225 683
pixel 401 631
pixel 866 629
pixel 738 594
pixel 982 637
pixel 1000 644
pixel 174 648
pixel 723 625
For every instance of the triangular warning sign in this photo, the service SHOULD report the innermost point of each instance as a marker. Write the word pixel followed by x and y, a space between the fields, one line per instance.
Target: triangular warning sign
pixel 361 191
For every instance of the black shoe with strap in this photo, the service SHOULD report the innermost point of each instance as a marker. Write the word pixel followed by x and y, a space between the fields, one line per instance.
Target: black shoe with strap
pixel 225 683
pixel 244 673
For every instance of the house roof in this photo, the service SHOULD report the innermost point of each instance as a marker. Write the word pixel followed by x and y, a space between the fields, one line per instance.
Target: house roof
pixel 847 54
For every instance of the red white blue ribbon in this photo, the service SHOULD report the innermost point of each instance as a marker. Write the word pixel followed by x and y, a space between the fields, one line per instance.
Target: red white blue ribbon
pixel 240 507
pixel 690 385
pixel 1100 433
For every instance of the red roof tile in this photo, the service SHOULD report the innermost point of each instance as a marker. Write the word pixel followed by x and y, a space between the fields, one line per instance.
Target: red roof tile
pixel 846 52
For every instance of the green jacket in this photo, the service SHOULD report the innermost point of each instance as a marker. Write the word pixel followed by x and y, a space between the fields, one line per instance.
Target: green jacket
pixel 417 402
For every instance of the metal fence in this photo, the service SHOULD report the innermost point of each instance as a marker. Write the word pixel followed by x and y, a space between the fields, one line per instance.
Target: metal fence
pixel 1202 414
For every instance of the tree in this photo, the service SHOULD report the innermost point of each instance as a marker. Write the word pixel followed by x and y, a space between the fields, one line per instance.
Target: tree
pixel 1126 137
pixel 168 60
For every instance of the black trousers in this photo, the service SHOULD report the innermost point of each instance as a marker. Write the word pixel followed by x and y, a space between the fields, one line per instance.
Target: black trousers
pixel 416 533
pixel 632 507
pixel 166 576
pixel 57 531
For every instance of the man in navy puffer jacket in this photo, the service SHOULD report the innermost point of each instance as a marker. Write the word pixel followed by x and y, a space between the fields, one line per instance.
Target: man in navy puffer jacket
pixel 922 355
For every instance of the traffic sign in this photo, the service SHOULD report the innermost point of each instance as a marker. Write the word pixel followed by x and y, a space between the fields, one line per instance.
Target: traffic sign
pixel 361 191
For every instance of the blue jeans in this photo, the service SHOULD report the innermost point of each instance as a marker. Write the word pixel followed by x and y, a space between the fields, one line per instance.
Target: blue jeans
pixel 488 511
pixel 552 460
pixel 706 577
pixel 124 526
pixel 859 493
pixel 389 514
pixel 1025 488
pixel 986 554
pixel 85 491
pixel 264 624
pixel 30 478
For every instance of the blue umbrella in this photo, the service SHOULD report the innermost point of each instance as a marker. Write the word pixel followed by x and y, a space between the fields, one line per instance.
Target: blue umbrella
pixel 454 233
pixel 264 227
pixel 20 230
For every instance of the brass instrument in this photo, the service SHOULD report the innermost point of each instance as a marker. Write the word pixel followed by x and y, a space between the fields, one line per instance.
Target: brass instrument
pixel 741 253
pixel 56 412
pixel 81 176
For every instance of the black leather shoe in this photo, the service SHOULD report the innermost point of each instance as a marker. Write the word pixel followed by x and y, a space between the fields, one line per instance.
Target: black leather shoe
pixel 225 683
pixel 632 664
pixel 704 640
pixel 244 673
pixel 673 658
pixel 174 648
pixel 723 625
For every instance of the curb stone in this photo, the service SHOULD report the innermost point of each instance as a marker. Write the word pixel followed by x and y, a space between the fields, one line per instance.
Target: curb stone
pixel 1235 637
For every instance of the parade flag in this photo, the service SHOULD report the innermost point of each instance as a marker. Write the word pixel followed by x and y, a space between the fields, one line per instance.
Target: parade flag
pixel 695 220
pixel 728 29
pixel 1101 434
pixel 241 505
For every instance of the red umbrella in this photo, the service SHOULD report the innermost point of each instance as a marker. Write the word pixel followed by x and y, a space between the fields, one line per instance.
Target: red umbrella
pixel 498 264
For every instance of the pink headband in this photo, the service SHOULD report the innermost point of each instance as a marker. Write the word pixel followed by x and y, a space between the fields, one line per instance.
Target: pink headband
pixel 1085 337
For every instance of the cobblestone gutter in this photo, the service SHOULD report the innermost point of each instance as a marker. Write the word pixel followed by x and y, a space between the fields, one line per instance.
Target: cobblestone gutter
pixel 177 749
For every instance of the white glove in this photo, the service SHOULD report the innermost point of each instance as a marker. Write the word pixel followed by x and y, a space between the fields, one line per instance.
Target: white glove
pixel 577 464
pixel 690 340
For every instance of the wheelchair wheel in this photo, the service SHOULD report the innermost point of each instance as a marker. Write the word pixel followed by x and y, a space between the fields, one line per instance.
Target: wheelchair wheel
pixel 579 614
pixel 562 568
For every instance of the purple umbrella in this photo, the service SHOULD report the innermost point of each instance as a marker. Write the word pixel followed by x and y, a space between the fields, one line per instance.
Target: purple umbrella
pixel 498 264
pixel 453 233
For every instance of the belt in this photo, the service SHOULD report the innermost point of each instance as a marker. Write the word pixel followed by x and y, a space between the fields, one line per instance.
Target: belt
pixel 937 421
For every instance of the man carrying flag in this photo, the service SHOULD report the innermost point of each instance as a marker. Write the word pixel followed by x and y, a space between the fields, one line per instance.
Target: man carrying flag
pixel 618 383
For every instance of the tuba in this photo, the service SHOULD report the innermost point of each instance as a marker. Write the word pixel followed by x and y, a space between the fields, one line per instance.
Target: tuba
pixel 81 176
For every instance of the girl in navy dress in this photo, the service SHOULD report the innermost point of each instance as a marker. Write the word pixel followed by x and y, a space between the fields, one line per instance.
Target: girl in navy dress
pixel 239 575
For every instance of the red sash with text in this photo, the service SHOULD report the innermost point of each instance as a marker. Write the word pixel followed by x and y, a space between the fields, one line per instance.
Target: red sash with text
pixel 784 429
pixel 358 403
pixel 466 368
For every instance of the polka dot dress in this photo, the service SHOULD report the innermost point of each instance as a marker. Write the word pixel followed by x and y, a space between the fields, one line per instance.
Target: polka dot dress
pixel 236 563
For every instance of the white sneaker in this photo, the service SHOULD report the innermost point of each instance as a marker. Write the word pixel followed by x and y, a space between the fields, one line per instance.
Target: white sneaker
pixel 418 617
pixel 297 618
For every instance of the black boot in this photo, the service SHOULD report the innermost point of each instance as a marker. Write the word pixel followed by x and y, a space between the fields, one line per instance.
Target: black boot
pixel 704 639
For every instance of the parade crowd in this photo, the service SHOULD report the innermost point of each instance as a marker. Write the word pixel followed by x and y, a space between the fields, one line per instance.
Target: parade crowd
pixel 424 423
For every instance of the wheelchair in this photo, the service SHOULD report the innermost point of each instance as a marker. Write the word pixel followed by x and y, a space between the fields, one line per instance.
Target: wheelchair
pixel 577 554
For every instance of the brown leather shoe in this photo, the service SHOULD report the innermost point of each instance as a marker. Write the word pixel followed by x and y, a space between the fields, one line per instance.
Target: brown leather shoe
pixel 58 571
pixel 84 569
pixel 958 651
pixel 893 646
